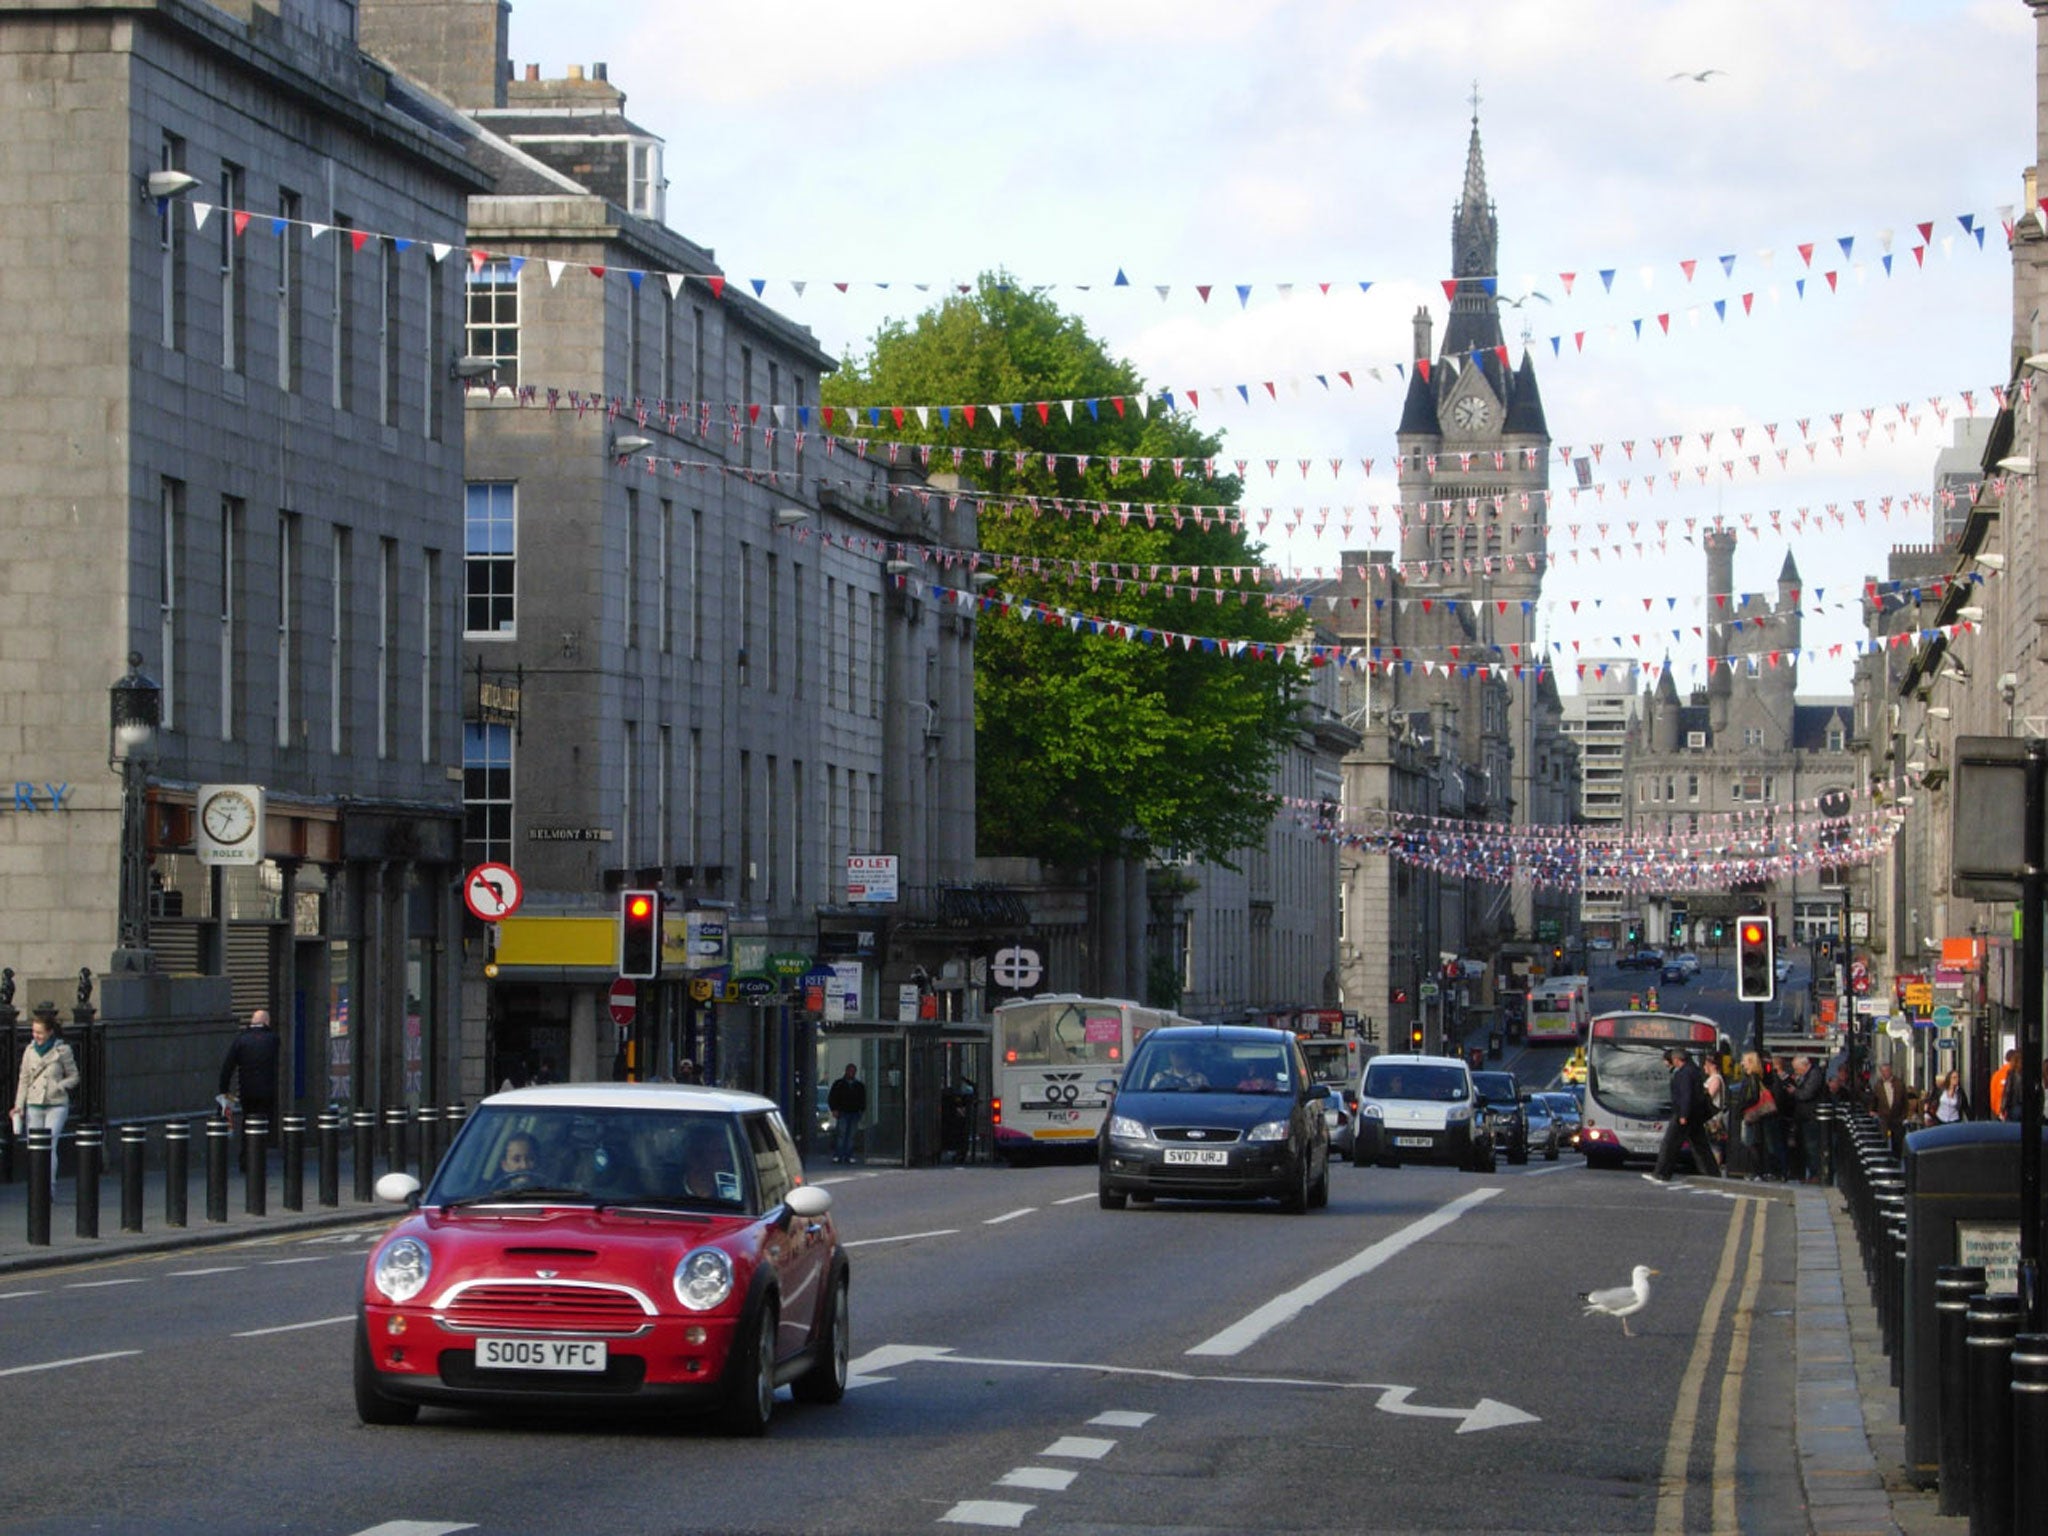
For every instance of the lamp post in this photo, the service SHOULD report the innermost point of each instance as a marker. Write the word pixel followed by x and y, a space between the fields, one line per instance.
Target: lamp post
pixel 134 712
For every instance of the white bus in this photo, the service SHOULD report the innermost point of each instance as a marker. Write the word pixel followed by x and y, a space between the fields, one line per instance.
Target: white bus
pixel 1628 1085
pixel 1058 1059
pixel 1557 1012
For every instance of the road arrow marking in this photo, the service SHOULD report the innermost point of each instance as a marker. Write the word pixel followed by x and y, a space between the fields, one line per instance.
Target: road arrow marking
pixel 1487 1414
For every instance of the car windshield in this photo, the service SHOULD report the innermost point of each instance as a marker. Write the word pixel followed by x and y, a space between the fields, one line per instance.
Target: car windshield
pixel 557 1154
pixel 1391 1080
pixel 1496 1087
pixel 1212 1066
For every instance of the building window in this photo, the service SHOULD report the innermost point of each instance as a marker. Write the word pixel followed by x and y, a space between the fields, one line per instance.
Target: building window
pixel 771 626
pixel 664 577
pixel 387 640
pixel 803 400
pixel 170 535
pixel 697 352
pixel 796 832
pixel 491 317
pixel 340 632
pixel 664 770
pixel 430 693
pixel 1753 736
pixel 490 559
pixel 1692 788
pixel 230 567
pixel 1837 740
pixel 692 794
pixel 646 191
pixel 486 793
pixel 695 555
pixel 796 605
pixel 341 316
pixel 629 787
pixel 437 344
pixel 388 330
pixel 875 659
pixel 233 303
pixel 1770 794
pixel 633 347
pixel 746 404
pixel 746 826
pixel 774 401
pixel 630 575
pixel 771 827
pixel 290 217
pixel 746 608
pixel 668 345
pixel 287 622
pixel 170 245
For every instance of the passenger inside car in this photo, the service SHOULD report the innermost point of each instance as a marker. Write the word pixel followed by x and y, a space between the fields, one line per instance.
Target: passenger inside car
pixel 708 1171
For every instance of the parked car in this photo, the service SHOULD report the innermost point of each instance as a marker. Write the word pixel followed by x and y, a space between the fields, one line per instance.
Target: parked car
pixel 1209 1112
pixel 1544 1131
pixel 1505 1114
pixel 1674 973
pixel 1641 960
pixel 1421 1109
pixel 639 1244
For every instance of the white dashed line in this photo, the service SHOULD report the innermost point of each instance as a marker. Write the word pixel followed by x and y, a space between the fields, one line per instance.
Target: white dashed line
pixel 1080 1447
pixel 95 1285
pixel 1042 1479
pixel 996 1221
pixel 1075 1199
pixel 987 1512
pixel 1121 1418
pixel 312 1258
pixel 17 1295
pixel 417 1528
pixel 901 1237
pixel 58 1365
pixel 218 1269
pixel 318 1322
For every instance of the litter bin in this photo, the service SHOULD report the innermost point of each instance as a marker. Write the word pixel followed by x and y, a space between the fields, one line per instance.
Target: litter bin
pixel 956 1121
pixel 1962 1207
pixel 1494 1045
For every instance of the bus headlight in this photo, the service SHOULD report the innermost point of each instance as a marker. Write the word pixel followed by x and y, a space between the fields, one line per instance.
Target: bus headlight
pixel 1124 1128
pixel 1268 1130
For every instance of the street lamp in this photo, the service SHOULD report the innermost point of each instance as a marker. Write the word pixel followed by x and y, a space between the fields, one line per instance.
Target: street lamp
pixel 134 712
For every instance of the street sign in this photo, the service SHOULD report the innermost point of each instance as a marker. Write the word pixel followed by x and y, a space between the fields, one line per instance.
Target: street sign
pixel 1017 969
pixel 492 891
pixel 624 1000
pixel 1944 1017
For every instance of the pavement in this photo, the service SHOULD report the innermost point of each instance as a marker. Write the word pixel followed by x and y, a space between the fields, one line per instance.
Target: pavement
pixel 1851 1444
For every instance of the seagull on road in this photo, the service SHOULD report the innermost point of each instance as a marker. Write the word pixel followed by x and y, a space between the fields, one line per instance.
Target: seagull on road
pixel 1699 75
pixel 1622 1301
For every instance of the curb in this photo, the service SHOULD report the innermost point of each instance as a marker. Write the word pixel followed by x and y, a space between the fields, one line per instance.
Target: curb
pixel 213 1235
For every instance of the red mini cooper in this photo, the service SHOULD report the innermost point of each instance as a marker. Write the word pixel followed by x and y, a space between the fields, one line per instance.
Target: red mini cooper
pixel 607 1244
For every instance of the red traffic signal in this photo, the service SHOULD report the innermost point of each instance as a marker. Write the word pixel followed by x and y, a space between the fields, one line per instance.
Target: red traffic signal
pixel 640 934
pixel 1756 976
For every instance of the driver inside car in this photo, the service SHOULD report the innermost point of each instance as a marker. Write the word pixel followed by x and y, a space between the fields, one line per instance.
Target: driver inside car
pixel 519 1163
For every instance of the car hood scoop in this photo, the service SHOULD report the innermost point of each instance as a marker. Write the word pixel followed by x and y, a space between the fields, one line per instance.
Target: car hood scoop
pixel 534 1252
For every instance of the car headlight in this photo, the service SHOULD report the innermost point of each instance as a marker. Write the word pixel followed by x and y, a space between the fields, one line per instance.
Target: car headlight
pixel 1458 1113
pixel 1268 1130
pixel 1372 1112
pixel 1124 1128
pixel 703 1279
pixel 402 1268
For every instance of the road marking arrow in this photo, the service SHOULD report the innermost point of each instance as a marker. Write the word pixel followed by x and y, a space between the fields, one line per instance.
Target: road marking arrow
pixel 1487 1414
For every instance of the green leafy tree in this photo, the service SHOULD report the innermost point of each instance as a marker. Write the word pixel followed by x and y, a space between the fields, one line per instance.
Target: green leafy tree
pixel 1093 745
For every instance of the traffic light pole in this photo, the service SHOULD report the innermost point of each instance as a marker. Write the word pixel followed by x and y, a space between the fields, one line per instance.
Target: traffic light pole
pixel 1756 1030
pixel 2031 886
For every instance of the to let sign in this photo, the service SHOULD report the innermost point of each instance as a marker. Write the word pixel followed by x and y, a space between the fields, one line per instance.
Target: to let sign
pixel 870 877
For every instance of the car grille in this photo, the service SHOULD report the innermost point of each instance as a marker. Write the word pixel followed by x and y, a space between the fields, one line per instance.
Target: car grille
pixel 1195 1135
pixel 551 1306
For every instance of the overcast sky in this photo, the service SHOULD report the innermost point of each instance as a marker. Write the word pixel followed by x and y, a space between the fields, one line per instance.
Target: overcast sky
pixel 1228 142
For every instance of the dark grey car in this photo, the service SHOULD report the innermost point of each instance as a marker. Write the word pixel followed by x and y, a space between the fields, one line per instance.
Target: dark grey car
pixel 1217 1113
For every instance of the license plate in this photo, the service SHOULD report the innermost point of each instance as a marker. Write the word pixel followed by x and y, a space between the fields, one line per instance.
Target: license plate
pixel 540 1355
pixel 1208 1157
pixel 1413 1141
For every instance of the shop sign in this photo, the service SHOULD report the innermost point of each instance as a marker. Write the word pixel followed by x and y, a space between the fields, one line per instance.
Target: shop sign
pixel 788 964
pixel 870 877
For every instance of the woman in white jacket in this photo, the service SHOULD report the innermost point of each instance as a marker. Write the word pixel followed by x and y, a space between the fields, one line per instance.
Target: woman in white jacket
pixel 49 1073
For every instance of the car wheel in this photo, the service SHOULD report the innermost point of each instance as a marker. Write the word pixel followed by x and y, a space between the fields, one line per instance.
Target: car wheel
pixel 1296 1199
pixel 825 1381
pixel 1550 1152
pixel 1358 1157
pixel 372 1406
pixel 1489 1160
pixel 750 1393
pixel 1519 1157
pixel 1138 1199
pixel 1319 1192
pixel 1110 1199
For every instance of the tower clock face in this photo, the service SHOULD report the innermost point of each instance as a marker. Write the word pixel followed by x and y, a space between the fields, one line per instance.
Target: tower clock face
pixel 229 816
pixel 1471 413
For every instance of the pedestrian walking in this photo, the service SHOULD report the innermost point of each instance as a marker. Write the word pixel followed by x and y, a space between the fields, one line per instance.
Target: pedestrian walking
pixel 1809 1092
pixel 1948 1104
pixel 250 1070
pixel 1748 1099
pixel 1888 1104
pixel 848 1101
pixel 1690 1111
pixel 2000 1080
pixel 48 1077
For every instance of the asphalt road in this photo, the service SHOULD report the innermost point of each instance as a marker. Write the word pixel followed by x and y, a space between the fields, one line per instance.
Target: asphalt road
pixel 1412 1359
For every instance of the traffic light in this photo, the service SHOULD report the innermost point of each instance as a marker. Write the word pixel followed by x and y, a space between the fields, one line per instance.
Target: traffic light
pixel 1756 976
pixel 1415 1038
pixel 1678 928
pixel 1635 934
pixel 640 934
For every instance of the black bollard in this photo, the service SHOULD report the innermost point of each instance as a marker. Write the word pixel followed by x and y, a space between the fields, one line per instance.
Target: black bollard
pixel 394 1137
pixel 1994 1323
pixel 366 1154
pixel 177 1171
pixel 39 1159
pixel 430 1142
pixel 134 1139
pixel 2029 1429
pixel 85 1148
pixel 330 1157
pixel 256 1166
pixel 217 1133
pixel 294 1162
pixel 1900 1306
pixel 1954 1285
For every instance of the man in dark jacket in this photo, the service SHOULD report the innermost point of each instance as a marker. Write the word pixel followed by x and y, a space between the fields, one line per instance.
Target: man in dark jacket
pixel 251 1068
pixel 848 1101
pixel 1809 1091
pixel 1691 1109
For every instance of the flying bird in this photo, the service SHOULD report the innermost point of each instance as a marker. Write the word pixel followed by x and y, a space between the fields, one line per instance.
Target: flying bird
pixel 1699 75
pixel 1622 1301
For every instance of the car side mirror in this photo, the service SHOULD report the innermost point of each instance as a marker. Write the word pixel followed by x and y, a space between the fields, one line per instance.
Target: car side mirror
pixel 808 1201
pixel 399 1189
pixel 1319 1090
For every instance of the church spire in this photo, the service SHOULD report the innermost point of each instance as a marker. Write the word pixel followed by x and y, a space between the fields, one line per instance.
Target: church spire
pixel 1475 254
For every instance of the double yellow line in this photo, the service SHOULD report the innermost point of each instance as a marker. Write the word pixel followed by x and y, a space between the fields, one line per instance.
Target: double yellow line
pixel 1671 1485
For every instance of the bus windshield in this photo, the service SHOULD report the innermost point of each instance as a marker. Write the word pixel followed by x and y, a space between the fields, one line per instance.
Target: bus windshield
pixel 1629 1079
pixel 1063 1034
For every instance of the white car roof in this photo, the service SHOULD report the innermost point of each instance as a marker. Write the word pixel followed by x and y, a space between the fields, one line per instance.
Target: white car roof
pixel 678 1096
pixel 1421 1061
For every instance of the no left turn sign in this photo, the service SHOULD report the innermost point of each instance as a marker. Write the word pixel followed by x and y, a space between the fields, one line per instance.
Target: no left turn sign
pixel 492 891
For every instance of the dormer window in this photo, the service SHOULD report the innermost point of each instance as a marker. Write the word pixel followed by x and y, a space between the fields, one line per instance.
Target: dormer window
pixel 647 193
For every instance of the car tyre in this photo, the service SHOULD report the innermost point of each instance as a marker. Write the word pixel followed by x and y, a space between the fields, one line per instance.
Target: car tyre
pixel 1550 1152
pixel 1138 1199
pixel 1358 1157
pixel 1518 1158
pixel 825 1381
pixel 750 1393
pixel 1110 1199
pixel 372 1406
pixel 1319 1192
pixel 1296 1199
